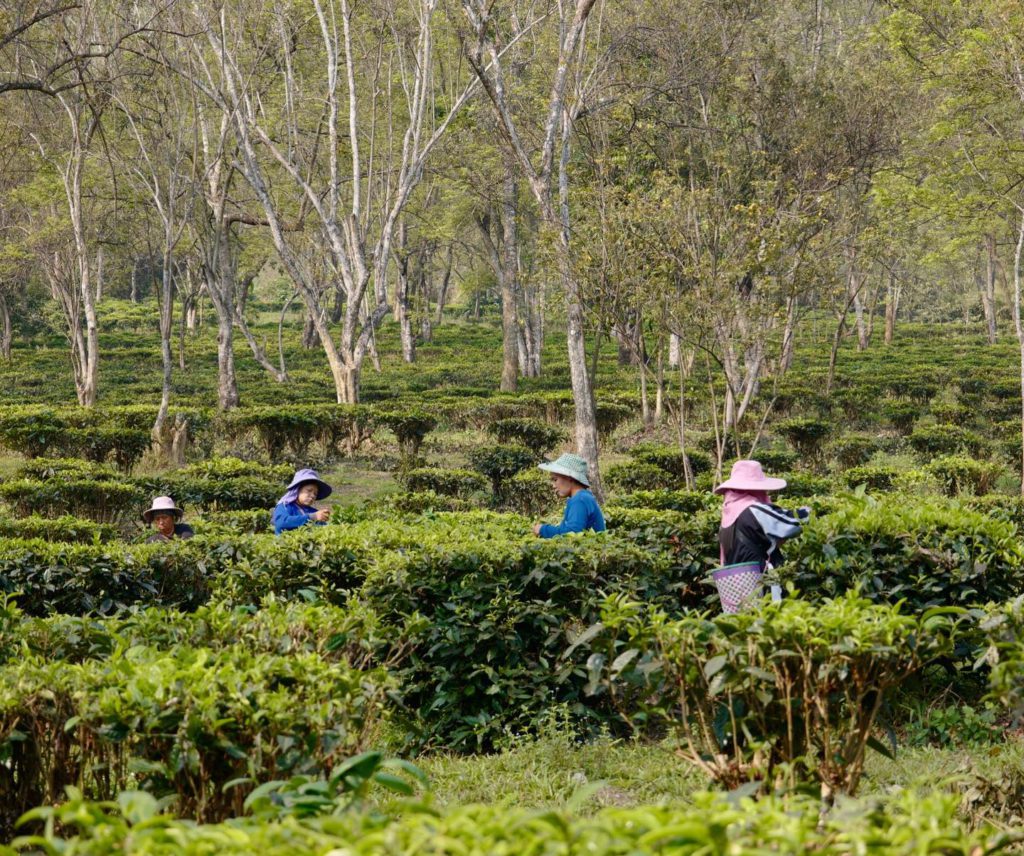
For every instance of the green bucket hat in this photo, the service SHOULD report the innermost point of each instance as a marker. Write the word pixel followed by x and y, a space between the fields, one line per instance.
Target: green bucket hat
pixel 569 465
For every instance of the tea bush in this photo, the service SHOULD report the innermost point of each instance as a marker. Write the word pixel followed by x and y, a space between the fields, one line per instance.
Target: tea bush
pixel 689 501
pixel 790 690
pixel 641 476
pixel 715 824
pixel 934 440
pixel 100 501
pixel 529 493
pixel 807 436
pixel 67 529
pixel 459 483
pixel 181 722
pixel 531 433
pixel 500 463
pixel 410 428
pixel 927 553
pixel 958 474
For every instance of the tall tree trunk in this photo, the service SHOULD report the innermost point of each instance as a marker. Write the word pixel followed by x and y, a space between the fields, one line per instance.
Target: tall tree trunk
pixel 99 273
pixel 166 358
pixel 6 334
pixel 442 295
pixel 988 288
pixel 310 337
pixel 1019 327
pixel 134 295
pixel 227 386
pixel 788 335
pixel 673 351
pixel 509 279
pixel 892 303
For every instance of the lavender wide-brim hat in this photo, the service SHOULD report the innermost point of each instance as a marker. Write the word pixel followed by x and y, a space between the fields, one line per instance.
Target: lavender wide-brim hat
pixel 302 477
pixel 162 503
pixel 748 475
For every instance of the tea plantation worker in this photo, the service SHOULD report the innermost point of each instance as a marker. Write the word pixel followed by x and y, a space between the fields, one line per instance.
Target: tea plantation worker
pixel 165 518
pixel 752 528
pixel 296 508
pixel 570 480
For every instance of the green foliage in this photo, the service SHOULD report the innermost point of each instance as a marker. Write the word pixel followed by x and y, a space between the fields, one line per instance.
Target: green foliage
pixel 901 415
pixel 529 493
pixel 531 433
pixel 100 501
pixel 955 725
pixel 410 427
pixel 959 474
pixel 806 436
pixel 641 476
pixel 500 463
pixel 925 552
pixel 715 823
pixel 188 719
pixel 67 529
pixel 934 440
pixel 689 501
pixel 496 609
pixel 671 459
pixel 610 415
pixel 766 694
pixel 458 483
pixel 877 477
pixel 80 578
pixel 855 450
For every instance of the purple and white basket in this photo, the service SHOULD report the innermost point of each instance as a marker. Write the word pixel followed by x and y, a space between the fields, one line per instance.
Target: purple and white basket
pixel 738 585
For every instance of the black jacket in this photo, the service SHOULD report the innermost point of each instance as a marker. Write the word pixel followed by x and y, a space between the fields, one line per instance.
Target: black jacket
pixel 756 534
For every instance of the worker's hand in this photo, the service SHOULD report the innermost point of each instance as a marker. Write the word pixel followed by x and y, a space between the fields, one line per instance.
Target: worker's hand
pixel 536 529
pixel 323 515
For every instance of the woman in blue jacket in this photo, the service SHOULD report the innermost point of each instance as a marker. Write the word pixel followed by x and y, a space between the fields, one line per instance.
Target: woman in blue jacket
pixel 296 508
pixel 570 480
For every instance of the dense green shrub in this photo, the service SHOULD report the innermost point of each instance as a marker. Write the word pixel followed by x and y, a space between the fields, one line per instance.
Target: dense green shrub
pixel 689 501
pixel 715 823
pixel 500 463
pixel 785 692
pixel 773 460
pixel 948 413
pixel 807 436
pixel 854 450
pixel 927 552
pixel 44 469
pixel 610 415
pixel 641 476
pixel 529 493
pixel 214 493
pixel 231 468
pixel 934 440
pixel 496 615
pixel 77 578
pixel 188 720
pixel 278 429
pixel 67 529
pixel 254 521
pixel 531 433
pixel 959 474
pixel 460 483
pixel 420 502
pixel 410 427
pixel 877 477
pixel 671 459
pixel 101 501
pixel 901 415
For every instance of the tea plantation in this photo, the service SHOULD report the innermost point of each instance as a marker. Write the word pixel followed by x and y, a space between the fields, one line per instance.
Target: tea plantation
pixel 423 675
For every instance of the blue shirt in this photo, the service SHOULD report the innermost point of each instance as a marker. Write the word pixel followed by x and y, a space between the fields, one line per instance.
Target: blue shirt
pixel 292 515
pixel 581 513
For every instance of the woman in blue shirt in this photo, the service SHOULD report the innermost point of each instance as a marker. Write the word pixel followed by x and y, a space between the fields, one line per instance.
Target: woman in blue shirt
pixel 296 508
pixel 571 482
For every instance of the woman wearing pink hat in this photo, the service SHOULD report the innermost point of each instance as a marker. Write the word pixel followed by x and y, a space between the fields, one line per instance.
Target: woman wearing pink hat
pixel 752 528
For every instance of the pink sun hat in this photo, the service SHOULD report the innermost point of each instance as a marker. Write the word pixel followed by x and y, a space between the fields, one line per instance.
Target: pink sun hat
pixel 748 475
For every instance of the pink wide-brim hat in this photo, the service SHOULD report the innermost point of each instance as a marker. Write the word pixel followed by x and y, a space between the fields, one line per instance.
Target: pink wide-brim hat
pixel 748 475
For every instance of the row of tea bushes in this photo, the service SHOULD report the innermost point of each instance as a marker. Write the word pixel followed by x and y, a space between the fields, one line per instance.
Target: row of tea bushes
pixel 60 487
pixel 180 721
pixel 789 692
pixel 713 825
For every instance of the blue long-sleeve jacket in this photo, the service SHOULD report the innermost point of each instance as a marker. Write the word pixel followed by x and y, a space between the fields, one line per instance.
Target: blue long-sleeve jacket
pixel 292 515
pixel 581 513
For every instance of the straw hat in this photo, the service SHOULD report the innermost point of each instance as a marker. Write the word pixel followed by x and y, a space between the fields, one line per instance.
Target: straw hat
pixel 748 475
pixel 162 503
pixel 302 477
pixel 569 465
